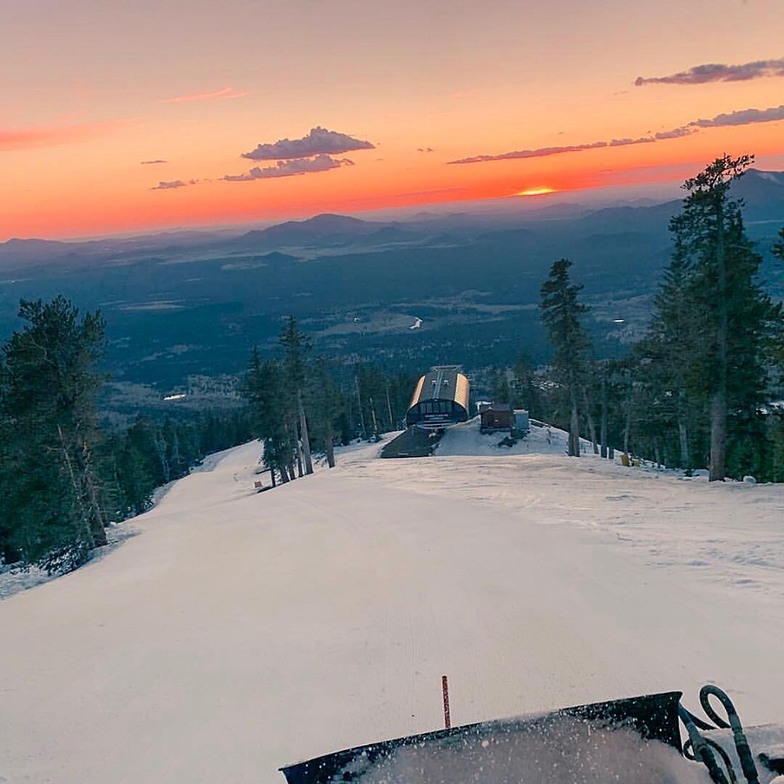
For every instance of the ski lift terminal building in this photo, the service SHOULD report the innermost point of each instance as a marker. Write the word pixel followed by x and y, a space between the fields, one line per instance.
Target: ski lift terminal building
pixel 440 399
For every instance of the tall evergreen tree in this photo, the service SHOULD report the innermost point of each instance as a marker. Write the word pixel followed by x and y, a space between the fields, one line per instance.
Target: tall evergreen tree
pixel 730 315
pixel 561 313
pixel 674 394
pixel 296 347
pixel 325 404
pixel 53 498
pixel 264 388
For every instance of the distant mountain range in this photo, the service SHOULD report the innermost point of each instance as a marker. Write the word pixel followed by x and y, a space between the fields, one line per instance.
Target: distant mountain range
pixel 762 192
pixel 186 304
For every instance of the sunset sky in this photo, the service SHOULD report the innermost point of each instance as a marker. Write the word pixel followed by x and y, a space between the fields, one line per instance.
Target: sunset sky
pixel 159 114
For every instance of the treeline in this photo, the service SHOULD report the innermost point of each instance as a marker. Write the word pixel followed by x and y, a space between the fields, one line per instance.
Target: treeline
pixel 150 454
pixel 701 387
pixel 65 480
pixel 302 404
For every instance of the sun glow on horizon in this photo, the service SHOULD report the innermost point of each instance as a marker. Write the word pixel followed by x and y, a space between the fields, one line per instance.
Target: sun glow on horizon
pixel 543 191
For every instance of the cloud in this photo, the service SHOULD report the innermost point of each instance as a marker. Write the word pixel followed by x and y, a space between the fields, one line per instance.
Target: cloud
pixel 675 133
pixel 224 92
pixel 435 192
pixel 291 168
pixel 540 152
pixel 52 136
pixel 625 142
pixel 171 185
pixel 744 117
pixel 714 72
pixel 319 141
pixel 150 163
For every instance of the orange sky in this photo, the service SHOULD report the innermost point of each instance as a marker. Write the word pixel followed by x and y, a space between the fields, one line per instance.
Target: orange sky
pixel 130 117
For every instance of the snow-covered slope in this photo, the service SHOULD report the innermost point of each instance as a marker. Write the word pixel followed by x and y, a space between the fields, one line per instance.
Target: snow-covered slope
pixel 239 631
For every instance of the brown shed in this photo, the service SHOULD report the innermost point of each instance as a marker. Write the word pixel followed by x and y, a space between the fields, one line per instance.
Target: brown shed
pixel 497 416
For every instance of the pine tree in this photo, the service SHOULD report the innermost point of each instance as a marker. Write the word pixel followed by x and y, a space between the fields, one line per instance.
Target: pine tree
pixel 325 402
pixel 53 497
pixel 296 347
pixel 778 247
pixel 501 390
pixel 129 481
pixel 731 315
pixel 264 388
pixel 9 550
pixel 561 314
pixel 675 397
pixel 526 392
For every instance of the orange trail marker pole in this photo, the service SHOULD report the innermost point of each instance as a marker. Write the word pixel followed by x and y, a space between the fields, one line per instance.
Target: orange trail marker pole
pixel 445 692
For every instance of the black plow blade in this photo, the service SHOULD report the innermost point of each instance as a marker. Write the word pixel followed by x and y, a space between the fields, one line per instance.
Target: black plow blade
pixel 630 740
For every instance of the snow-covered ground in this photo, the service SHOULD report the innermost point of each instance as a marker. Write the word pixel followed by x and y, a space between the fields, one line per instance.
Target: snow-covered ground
pixel 238 632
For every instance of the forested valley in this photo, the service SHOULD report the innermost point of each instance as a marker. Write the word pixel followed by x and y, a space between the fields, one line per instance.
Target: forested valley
pixel 700 390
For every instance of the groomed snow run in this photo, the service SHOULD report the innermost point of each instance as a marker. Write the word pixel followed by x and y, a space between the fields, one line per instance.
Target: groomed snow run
pixel 238 632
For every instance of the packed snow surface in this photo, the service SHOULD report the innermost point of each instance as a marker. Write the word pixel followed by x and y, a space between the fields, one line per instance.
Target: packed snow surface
pixel 238 632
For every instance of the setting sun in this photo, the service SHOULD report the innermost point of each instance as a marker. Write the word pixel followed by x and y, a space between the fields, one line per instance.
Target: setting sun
pixel 535 192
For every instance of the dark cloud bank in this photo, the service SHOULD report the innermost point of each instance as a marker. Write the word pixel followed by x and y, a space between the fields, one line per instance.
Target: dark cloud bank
pixel 715 72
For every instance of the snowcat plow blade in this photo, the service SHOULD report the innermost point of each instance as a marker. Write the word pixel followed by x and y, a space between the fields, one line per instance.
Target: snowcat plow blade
pixel 570 744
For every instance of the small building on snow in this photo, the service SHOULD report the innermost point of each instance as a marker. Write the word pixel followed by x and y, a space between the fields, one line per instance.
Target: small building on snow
pixel 496 416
